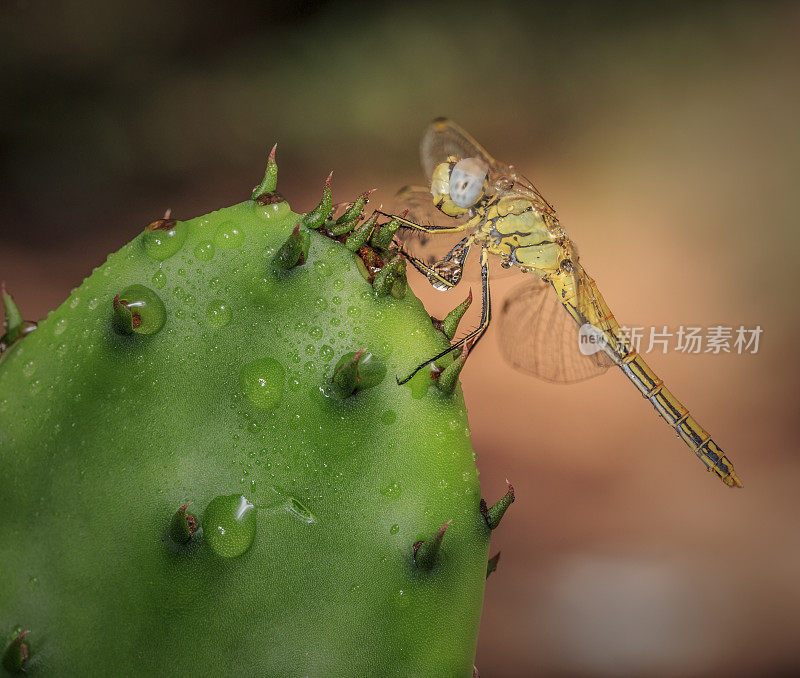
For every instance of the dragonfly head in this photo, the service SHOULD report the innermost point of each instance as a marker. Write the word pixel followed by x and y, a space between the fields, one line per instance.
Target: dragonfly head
pixel 457 185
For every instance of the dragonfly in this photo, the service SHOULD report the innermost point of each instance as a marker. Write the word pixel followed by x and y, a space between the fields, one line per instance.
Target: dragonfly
pixel 556 325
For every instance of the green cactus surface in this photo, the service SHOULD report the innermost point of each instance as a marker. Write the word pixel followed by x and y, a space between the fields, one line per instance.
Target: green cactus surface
pixel 185 491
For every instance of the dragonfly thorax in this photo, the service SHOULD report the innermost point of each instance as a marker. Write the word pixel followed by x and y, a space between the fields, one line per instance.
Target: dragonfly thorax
pixel 516 231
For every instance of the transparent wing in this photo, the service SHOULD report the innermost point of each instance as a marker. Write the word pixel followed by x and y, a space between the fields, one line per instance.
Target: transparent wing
pixel 539 337
pixel 443 138
pixel 524 186
pixel 430 247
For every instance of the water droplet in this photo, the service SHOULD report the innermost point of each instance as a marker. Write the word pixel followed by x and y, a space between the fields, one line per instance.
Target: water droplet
pixel 394 490
pixel 218 313
pixel 420 383
pixel 299 511
pixel 93 302
pixel 402 599
pixel 389 417
pixel 228 236
pixel 354 311
pixel 261 291
pixel 204 250
pixel 275 210
pixel 262 381
pixel 229 525
pixel 161 244
pixel 394 529
pixel 159 280
pixel 326 353
pixel 61 325
pixel 29 368
pixel 140 310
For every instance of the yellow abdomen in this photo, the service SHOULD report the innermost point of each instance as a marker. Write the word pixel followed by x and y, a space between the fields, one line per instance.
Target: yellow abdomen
pixel 579 295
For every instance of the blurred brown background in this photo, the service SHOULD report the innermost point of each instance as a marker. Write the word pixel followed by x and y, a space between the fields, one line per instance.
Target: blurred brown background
pixel 666 134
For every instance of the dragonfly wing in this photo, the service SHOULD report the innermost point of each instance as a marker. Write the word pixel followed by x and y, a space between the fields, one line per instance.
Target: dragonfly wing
pixel 539 337
pixel 444 139
pixel 525 187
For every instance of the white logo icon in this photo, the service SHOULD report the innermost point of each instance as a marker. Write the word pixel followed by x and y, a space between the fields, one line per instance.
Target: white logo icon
pixel 590 339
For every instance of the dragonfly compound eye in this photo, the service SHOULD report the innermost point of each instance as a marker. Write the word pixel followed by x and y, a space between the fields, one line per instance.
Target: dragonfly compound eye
pixel 467 182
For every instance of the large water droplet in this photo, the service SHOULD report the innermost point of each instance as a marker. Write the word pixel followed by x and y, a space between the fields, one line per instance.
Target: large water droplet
pixel 420 383
pixel 394 490
pixel 275 210
pixel 218 313
pixel 228 236
pixel 139 309
pixel 262 381
pixel 204 250
pixel 229 525
pixel 161 244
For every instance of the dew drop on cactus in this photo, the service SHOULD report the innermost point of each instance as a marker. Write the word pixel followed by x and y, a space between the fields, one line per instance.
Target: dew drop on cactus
pixel 263 382
pixel 159 280
pixel 229 236
pixel 164 238
pixel 229 525
pixel 138 310
pixel 299 510
pixel 204 251
pixel 419 384
pixel 218 313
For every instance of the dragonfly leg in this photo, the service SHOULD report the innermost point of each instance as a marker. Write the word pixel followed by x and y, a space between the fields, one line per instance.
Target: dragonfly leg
pixel 455 257
pixel 475 335
pixel 432 228
pixel 423 268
